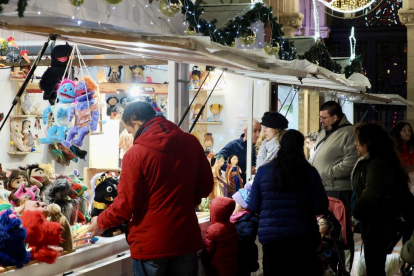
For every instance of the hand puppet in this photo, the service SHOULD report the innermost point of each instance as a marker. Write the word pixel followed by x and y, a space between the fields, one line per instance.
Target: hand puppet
pixel 26 193
pixel 55 215
pixel 15 178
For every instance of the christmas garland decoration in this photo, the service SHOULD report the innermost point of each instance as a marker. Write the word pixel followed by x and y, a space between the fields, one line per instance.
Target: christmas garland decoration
pixel 238 26
pixel 354 67
pixel 318 54
pixel 21 6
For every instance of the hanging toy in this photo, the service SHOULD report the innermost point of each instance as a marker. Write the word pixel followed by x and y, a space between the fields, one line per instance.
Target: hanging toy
pixel 13 57
pixel 12 42
pixel 24 54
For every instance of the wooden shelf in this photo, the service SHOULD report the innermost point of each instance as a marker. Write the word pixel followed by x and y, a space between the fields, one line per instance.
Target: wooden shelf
pixel 22 152
pixel 32 86
pixel 207 123
pixel 111 88
pixel 25 116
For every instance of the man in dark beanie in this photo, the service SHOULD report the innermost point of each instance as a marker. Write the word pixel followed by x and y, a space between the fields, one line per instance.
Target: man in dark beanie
pixel 164 176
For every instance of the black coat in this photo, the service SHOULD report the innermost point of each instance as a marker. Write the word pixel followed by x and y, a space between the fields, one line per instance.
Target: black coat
pixel 247 251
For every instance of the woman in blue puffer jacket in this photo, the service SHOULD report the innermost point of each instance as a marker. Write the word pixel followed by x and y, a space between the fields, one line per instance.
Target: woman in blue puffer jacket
pixel 288 193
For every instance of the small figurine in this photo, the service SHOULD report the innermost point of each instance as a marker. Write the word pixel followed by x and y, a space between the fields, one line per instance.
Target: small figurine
pixel 112 109
pixel 137 73
pixel 208 143
pixel 220 178
pixel 234 180
pixel 219 185
pixel 197 109
pixel 215 111
pixel 27 106
pixel 17 137
pixel 115 74
pixel 28 138
pixel 195 78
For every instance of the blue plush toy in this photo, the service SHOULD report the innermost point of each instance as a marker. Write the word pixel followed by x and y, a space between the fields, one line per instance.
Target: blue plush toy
pixel 12 236
pixel 66 95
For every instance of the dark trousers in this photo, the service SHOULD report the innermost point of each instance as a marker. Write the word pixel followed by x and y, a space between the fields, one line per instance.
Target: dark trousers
pixel 375 257
pixel 345 197
pixel 291 257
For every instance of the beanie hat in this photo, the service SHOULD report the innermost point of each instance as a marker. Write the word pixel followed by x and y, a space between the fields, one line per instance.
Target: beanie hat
pixel 242 197
pixel 274 120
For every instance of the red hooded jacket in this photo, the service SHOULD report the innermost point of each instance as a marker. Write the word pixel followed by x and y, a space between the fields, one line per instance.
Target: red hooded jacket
pixel 164 176
pixel 219 255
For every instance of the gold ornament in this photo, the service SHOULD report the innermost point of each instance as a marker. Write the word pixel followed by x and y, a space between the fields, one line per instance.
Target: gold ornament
pixel 232 44
pixel 271 50
pixel 113 2
pixel 248 39
pixel 77 3
pixel 190 31
pixel 170 8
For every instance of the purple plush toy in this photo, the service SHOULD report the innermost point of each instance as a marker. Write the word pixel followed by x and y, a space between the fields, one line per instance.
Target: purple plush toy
pixel 86 113
pixel 12 236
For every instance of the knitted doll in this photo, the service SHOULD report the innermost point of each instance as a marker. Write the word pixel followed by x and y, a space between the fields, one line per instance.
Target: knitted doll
pixel 234 180
pixel 137 73
pixel 215 111
pixel 115 73
pixel 27 106
pixel 17 137
pixel 112 109
pixel 29 139
pixel 126 140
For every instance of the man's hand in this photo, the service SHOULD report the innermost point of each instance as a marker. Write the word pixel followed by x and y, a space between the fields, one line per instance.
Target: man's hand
pixel 94 229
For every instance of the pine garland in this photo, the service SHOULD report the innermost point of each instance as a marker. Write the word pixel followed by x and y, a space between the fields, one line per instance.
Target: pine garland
pixel 319 54
pixel 2 3
pixel 21 6
pixel 238 26
pixel 354 67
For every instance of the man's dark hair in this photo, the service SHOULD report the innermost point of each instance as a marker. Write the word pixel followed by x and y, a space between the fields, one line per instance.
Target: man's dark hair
pixel 138 111
pixel 333 108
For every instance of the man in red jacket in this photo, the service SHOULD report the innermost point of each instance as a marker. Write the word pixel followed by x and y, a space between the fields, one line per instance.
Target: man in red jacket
pixel 164 176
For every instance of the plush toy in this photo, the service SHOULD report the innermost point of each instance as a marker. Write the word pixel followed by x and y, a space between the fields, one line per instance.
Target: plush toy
pixel 115 73
pixel 7 198
pixel 85 86
pixel 195 78
pixel 105 190
pixel 215 111
pixel 15 178
pixel 3 178
pixel 55 215
pixel 208 143
pixel 26 193
pixel 30 205
pixel 27 106
pixel 43 237
pixel 49 172
pixel 66 96
pixel 17 137
pixel 137 72
pixel 83 194
pixel 36 174
pixel 28 138
pixel 54 74
pixel 79 153
pixel 12 241
pixel 112 110
pixel 86 113
pixel 120 107
pixel 126 141
pixel 197 109
pixel 234 180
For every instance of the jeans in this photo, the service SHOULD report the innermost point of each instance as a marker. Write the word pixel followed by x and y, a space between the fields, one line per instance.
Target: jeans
pixel 375 257
pixel 186 265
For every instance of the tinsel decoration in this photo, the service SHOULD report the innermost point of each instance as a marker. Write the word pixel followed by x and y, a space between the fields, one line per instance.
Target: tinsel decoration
pixel 248 38
pixel 318 54
pixel 270 49
pixel 13 57
pixel 170 8
pixel 236 27
pixel 77 3
pixel 354 67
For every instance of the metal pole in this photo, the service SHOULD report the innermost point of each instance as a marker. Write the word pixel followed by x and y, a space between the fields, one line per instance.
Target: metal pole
pixel 28 77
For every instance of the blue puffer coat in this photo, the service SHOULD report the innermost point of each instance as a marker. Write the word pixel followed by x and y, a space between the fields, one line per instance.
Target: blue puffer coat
pixel 287 215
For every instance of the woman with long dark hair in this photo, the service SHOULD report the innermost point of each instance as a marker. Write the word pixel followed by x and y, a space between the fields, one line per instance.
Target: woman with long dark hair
pixel 375 179
pixel 288 193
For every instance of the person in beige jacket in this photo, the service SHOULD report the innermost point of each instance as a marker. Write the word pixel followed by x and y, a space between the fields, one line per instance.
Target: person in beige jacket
pixel 334 158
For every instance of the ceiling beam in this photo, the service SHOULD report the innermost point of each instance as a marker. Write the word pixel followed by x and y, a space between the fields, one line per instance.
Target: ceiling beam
pixel 102 62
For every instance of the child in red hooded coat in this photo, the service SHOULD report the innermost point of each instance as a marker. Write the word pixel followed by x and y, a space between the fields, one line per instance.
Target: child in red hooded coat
pixel 219 256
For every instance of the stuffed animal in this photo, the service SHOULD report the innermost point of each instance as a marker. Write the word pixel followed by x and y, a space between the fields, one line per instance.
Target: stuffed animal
pixel 137 72
pixel 59 193
pixel 17 137
pixel 28 138
pixel 105 190
pixel 30 205
pixel 66 96
pixel 55 215
pixel 43 237
pixel 215 111
pixel 79 153
pixel 7 198
pixel 12 241
pixel 83 194
pixel 112 109
pixel 115 73
pixel 27 106
pixel 54 74
pixel 86 113
pixel 36 174
pixel 15 178
pixel 26 193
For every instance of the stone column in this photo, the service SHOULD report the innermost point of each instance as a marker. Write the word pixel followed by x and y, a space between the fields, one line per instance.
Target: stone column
pixel 288 14
pixel 407 18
